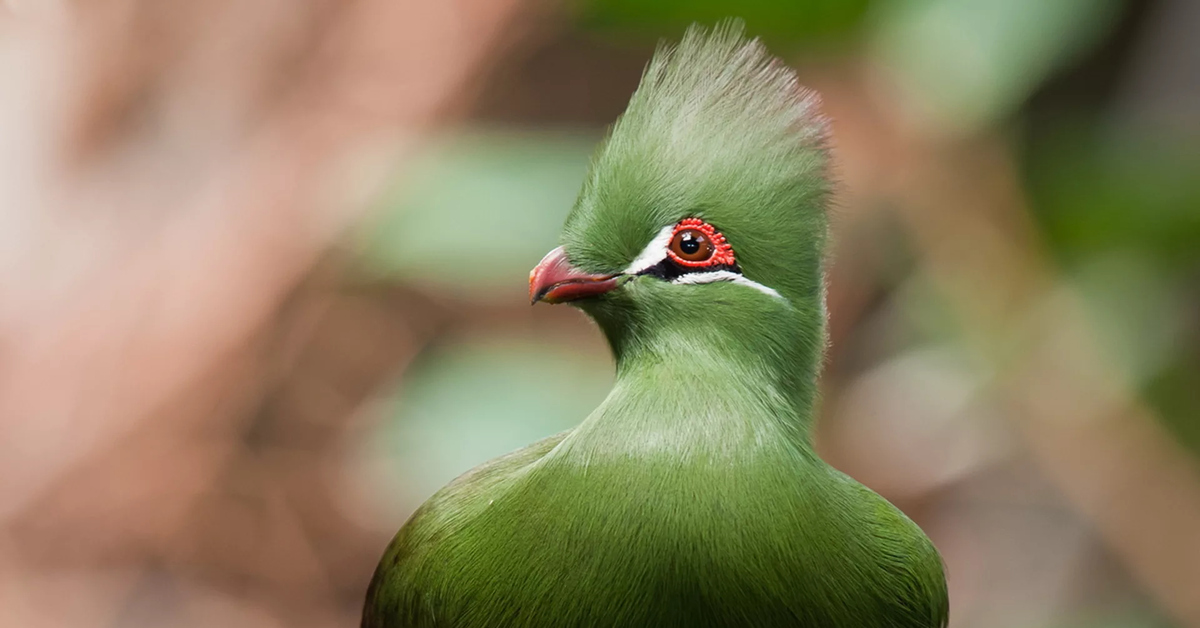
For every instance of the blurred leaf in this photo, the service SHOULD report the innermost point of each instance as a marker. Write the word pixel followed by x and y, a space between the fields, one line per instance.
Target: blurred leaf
pixel 967 63
pixel 1131 615
pixel 1173 394
pixel 461 405
pixel 1141 316
pixel 927 312
pixel 477 210
pixel 1096 196
pixel 798 21
pixel 1122 212
pixel 1136 312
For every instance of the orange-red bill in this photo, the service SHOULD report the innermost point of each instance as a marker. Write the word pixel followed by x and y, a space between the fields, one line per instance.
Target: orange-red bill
pixel 555 280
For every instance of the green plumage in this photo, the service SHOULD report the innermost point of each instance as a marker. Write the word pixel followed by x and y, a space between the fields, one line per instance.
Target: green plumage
pixel 691 496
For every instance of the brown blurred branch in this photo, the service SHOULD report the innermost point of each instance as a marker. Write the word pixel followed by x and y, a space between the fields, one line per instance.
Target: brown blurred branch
pixel 125 288
pixel 171 172
pixel 961 202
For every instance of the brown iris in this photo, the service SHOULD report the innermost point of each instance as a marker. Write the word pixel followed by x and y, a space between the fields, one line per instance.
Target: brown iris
pixel 691 245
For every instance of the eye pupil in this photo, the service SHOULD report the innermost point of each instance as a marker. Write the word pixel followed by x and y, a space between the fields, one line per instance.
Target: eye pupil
pixel 689 245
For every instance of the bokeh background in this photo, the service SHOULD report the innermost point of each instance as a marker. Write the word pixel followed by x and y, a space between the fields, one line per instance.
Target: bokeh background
pixel 263 270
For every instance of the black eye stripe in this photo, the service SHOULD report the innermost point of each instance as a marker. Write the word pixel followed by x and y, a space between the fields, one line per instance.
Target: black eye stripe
pixel 668 270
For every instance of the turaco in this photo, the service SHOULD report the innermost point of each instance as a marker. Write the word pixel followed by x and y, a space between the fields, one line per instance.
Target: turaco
pixel 692 495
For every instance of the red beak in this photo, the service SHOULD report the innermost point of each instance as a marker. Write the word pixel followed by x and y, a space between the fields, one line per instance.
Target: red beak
pixel 555 280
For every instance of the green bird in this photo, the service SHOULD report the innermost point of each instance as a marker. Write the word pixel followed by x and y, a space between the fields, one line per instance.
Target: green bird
pixel 692 495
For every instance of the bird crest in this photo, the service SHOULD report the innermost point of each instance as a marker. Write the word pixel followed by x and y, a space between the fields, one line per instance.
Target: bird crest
pixel 721 132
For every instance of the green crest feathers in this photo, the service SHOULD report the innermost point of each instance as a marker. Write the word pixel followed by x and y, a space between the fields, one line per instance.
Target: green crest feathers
pixel 719 129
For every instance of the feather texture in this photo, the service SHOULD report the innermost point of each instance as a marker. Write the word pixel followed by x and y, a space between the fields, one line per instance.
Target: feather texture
pixel 692 496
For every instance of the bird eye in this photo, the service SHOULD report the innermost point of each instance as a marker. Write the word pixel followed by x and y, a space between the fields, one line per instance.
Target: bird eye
pixel 691 245
pixel 697 244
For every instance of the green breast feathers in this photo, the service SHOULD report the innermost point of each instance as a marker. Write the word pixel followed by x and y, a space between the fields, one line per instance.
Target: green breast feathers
pixel 692 496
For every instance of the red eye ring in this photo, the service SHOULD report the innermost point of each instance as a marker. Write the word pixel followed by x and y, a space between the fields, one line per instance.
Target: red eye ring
pixel 722 253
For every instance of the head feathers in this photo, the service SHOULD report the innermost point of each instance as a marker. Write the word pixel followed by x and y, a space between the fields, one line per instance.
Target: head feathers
pixel 720 130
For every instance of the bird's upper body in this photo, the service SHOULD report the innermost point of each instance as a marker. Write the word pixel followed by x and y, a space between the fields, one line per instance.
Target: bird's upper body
pixel 692 495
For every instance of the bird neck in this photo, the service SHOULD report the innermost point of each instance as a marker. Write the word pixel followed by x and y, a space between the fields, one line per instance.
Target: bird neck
pixel 708 387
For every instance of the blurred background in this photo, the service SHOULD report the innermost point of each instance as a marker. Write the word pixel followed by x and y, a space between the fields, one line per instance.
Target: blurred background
pixel 263 286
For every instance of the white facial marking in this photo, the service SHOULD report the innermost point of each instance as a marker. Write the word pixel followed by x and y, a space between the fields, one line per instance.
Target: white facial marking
pixel 725 275
pixel 655 252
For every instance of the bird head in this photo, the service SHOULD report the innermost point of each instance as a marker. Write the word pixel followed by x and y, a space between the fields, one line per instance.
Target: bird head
pixel 703 212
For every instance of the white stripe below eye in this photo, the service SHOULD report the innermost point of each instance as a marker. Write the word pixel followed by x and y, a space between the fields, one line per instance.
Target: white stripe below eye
pixel 725 275
pixel 655 252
